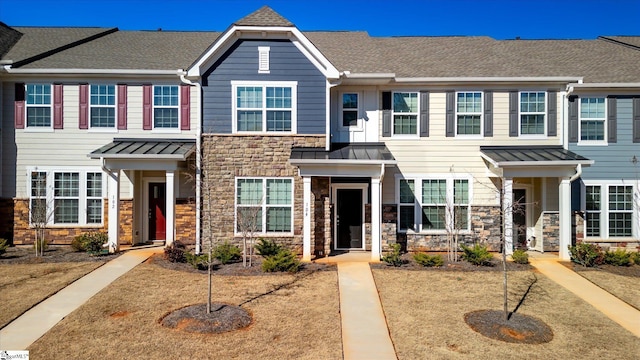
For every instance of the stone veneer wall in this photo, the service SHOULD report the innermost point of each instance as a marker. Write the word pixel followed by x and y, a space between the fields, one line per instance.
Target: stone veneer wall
pixel 226 157
pixel 550 231
pixel 186 221
pixel 321 219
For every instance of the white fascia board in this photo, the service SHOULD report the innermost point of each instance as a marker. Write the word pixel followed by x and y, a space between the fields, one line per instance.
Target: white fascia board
pixel 21 71
pixel 151 158
pixel 506 164
pixel 341 162
pixel 605 85
pixel 489 79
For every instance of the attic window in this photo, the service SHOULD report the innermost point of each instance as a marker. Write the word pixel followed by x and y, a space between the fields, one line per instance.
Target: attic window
pixel 263 59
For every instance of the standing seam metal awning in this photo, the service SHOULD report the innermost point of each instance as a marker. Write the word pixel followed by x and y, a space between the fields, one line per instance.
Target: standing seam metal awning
pixel 506 156
pixel 146 149
pixel 343 153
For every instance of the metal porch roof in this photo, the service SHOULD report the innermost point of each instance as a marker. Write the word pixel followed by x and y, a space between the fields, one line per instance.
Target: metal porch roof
pixel 363 153
pixel 502 156
pixel 146 149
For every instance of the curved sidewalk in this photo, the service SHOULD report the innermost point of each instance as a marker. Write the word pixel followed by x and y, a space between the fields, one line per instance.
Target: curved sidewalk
pixel 617 310
pixel 30 326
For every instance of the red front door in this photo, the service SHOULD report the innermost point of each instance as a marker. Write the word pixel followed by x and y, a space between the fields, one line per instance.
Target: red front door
pixel 157 212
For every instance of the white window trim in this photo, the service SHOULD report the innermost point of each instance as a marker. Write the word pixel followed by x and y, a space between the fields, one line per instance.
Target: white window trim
pixel 101 129
pixel 417 114
pixel 544 113
pixel 580 119
pixel 604 211
pixel 358 126
pixel 27 106
pixel 82 194
pixel 173 130
pixel 264 84
pixel 264 61
pixel 418 178
pixel 481 113
pixel 264 206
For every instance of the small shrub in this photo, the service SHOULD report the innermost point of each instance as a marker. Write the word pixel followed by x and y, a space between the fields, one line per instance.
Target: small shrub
pixel 4 244
pixel 520 257
pixel 393 257
pixel 175 253
pixel 226 253
pixel 283 261
pixel 477 255
pixel 428 260
pixel 77 244
pixel 267 248
pixel 587 255
pixel 635 257
pixel 619 257
pixel 94 240
pixel 197 261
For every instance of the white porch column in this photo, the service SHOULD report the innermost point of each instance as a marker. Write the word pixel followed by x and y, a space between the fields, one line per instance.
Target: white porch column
pixel 306 224
pixel 170 215
pixel 564 206
pixel 113 184
pixel 507 212
pixel 376 239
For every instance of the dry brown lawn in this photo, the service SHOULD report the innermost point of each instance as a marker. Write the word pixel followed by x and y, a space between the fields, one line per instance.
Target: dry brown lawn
pixel 301 321
pixel 24 285
pixel 625 288
pixel 425 313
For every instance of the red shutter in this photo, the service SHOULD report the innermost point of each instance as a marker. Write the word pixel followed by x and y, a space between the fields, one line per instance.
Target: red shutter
pixel 122 107
pixel 84 107
pixel 185 107
pixel 147 107
pixel 18 107
pixel 57 107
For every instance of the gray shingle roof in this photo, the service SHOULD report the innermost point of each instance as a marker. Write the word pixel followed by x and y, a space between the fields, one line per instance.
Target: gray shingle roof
pixel 265 16
pixel 633 41
pixel 8 38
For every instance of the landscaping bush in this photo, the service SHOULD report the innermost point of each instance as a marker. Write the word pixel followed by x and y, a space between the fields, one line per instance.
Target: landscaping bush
pixel 428 260
pixel 520 257
pixel 4 244
pixel 587 255
pixel 226 253
pixel 619 257
pixel 283 261
pixel 635 257
pixel 175 253
pixel 477 255
pixel 197 261
pixel 393 256
pixel 77 244
pixel 90 242
pixel 267 248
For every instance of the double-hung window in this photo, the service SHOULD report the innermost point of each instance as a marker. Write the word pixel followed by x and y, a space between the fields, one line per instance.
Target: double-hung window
pixel 103 106
pixel 620 211
pixel 264 205
pixel 405 113
pixel 266 107
pixel 349 110
pixel 406 205
pixel 592 119
pixel 38 105
pixel 165 107
pixel 533 107
pixel 434 204
pixel 609 211
pixel 469 113
pixel 594 210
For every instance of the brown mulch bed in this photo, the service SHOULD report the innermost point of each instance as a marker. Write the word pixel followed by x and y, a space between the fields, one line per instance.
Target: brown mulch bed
pixel 519 329
pixel 461 265
pixel 633 270
pixel 194 318
pixel 53 254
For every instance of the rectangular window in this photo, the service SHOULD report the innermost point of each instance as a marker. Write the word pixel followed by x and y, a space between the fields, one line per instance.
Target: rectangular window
pixel 165 107
pixel 94 198
pixel 405 113
pixel 66 191
pixel 469 113
pixel 609 211
pixel 592 119
pixel 461 204
pixel 593 210
pixel 264 108
pixel 533 107
pixel 406 206
pixel 434 194
pixel 103 106
pixel 620 211
pixel 38 204
pixel 38 105
pixel 264 205
pixel 350 109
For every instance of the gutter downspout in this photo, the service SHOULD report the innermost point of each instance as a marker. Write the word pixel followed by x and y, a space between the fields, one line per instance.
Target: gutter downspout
pixel 198 161
pixel 565 121
pixel 577 174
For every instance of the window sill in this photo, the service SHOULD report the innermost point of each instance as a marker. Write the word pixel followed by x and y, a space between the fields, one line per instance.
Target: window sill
pixel 267 235
pixel 534 137
pixel 166 131
pixel 406 137
pixel 65 226
pixel 36 129
pixel 592 143
pixel 102 130
pixel 469 137
pixel 612 240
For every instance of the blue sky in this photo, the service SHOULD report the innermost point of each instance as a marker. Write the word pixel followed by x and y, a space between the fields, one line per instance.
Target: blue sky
pixel 501 19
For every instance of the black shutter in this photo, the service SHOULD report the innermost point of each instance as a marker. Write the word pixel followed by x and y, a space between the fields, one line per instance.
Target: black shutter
pixel 513 113
pixel 424 114
pixel 573 119
pixel 488 113
pixel 450 119
pixel 386 114
pixel 636 119
pixel 612 120
pixel 552 113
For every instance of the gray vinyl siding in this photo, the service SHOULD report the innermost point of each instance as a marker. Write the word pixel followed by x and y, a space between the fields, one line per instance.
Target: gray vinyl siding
pixel 287 63
pixel 613 161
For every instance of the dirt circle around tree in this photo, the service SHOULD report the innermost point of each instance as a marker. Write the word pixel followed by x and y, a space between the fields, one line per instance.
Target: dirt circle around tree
pixel 194 318
pixel 519 329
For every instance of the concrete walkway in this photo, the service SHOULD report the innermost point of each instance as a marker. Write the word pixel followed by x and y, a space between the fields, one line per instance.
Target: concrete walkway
pixel 617 310
pixel 364 328
pixel 29 327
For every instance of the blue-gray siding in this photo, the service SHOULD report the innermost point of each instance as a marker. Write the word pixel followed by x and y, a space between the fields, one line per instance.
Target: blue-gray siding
pixel 613 162
pixel 287 63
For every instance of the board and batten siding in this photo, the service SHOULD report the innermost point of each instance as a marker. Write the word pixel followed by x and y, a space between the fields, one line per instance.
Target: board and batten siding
pixel 240 63
pixel 69 147
pixel 613 161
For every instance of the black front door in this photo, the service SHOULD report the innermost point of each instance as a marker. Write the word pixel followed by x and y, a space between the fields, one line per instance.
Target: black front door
pixel 349 218
pixel 519 219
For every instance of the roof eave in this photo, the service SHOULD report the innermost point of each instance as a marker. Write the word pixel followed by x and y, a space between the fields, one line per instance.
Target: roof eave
pixel 340 162
pixel 505 164
pixel 128 72
pixel 492 79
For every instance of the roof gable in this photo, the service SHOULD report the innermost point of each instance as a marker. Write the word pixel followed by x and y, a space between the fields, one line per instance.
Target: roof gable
pixel 8 38
pixel 265 16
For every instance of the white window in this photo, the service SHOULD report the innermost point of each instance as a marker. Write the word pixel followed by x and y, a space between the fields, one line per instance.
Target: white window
pixel 263 59
pixel 264 205
pixel 102 106
pixel 609 211
pixel 349 110
pixel 60 197
pixel 469 113
pixel 38 104
pixel 405 113
pixel 433 204
pixel 165 107
pixel 533 107
pixel 264 107
pixel 592 120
